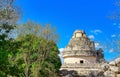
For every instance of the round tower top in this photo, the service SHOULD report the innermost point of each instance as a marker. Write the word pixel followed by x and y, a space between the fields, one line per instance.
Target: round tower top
pixel 79 33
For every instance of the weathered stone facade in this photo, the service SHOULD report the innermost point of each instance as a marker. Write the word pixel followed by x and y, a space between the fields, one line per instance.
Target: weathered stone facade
pixel 81 57
pixel 111 69
pixel 82 60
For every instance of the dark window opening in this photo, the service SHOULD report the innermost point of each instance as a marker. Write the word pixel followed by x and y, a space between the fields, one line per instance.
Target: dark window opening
pixel 81 61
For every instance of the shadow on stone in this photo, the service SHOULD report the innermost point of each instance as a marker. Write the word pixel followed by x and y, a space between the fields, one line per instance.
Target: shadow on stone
pixel 71 73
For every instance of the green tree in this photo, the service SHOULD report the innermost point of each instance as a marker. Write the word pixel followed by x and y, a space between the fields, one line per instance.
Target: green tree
pixel 52 63
pixel 8 12
pixel 38 51
pixel 8 46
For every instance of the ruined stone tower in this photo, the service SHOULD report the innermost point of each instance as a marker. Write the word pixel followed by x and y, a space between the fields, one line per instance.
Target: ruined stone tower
pixel 80 55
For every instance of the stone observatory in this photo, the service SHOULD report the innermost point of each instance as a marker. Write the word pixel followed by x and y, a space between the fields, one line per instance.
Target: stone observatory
pixel 81 56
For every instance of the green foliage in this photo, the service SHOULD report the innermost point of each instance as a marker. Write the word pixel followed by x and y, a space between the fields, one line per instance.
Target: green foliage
pixel 33 53
pixel 8 47
pixel 37 56
pixel 8 50
pixel 51 64
pixel 29 56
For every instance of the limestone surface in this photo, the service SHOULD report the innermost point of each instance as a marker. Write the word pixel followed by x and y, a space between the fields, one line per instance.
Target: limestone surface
pixel 81 59
pixel 81 56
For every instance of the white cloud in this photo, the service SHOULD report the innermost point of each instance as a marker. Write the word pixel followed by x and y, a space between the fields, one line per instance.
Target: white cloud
pixel 117 24
pixel 61 50
pixel 97 45
pixel 91 36
pixel 111 50
pixel 60 55
pixel 114 23
pixel 113 35
pixel 119 35
pixel 119 27
pixel 96 31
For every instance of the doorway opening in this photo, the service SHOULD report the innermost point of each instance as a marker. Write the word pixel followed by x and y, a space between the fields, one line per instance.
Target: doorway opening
pixel 81 62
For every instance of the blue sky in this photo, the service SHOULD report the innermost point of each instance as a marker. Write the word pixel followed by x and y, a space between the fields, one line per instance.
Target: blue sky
pixel 69 15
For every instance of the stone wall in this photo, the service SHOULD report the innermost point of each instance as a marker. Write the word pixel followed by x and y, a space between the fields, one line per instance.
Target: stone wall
pixel 112 69
pixel 80 56
pixel 79 53
pixel 76 60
